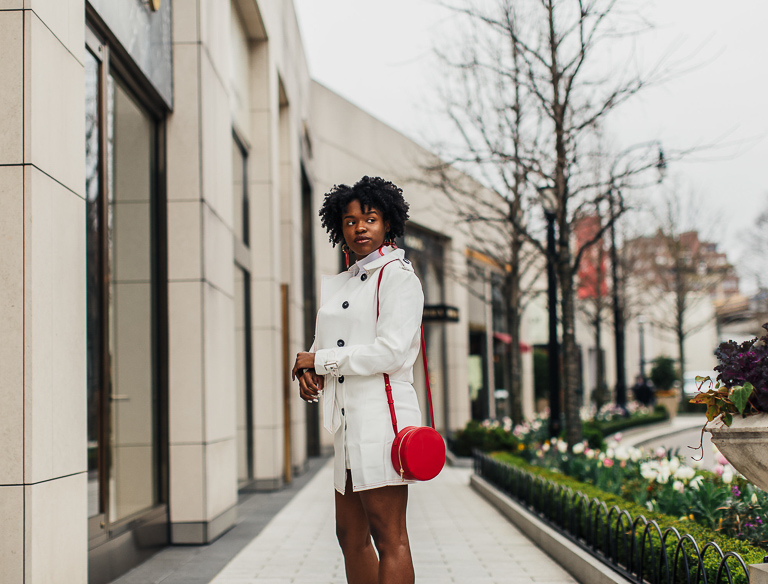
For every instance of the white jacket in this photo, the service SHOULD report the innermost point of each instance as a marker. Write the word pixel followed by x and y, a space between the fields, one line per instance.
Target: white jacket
pixel 353 351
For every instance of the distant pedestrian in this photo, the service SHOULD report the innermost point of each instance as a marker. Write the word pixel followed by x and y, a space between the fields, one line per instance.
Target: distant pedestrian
pixel 353 348
pixel 643 391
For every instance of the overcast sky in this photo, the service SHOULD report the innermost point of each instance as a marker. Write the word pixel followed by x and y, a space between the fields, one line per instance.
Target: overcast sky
pixel 378 55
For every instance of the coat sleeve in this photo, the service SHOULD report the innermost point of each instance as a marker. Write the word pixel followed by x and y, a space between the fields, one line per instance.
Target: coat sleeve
pixel 401 302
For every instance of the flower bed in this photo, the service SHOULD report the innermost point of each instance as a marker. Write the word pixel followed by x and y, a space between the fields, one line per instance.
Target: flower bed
pixel 661 483
pixel 494 435
pixel 579 495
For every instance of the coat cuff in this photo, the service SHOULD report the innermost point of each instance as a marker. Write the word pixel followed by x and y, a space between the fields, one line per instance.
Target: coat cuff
pixel 325 362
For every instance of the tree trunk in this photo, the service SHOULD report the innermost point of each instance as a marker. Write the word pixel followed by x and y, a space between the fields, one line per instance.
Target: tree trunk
pixel 681 292
pixel 571 376
pixel 681 352
pixel 598 324
pixel 513 324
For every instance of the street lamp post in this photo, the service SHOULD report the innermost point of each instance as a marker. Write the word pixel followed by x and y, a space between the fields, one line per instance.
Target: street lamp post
pixel 618 316
pixel 555 425
pixel 641 322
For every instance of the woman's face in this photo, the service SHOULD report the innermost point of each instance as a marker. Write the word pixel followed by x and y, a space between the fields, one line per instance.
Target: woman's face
pixel 364 229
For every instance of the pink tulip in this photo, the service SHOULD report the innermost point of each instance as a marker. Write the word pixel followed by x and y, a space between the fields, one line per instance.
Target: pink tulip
pixel 721 459
pixel 719 470
pixel 608 462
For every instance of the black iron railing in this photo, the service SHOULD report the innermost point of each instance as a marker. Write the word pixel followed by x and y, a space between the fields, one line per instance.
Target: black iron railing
pixel 637 549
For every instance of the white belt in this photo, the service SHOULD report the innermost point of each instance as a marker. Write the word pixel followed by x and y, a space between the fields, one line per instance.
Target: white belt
pixel 331 411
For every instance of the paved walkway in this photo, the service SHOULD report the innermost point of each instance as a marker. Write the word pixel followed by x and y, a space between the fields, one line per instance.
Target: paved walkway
pixel 287 537
pixel 455 536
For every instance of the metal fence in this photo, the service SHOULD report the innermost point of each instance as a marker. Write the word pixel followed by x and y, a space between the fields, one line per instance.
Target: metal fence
pixel 638 549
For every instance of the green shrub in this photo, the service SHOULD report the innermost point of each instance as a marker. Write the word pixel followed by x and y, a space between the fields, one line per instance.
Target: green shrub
pixel 663 373
pixel 595 431
pixel 488 438
pixel 593 434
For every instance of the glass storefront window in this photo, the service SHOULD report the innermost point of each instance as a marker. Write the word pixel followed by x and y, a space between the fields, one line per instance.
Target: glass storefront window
pixel 240 203
pixel 93 284
pixel 133 437
pixel 243 365
pixel 243 375
pixel 122 288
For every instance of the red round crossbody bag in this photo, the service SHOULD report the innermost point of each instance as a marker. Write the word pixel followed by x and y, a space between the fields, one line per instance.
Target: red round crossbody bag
pixel 418 452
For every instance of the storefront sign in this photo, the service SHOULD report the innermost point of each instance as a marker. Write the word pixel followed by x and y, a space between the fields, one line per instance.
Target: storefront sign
pixel 440 313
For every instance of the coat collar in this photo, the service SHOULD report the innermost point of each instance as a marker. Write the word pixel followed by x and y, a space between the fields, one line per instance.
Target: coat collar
pixel 396 254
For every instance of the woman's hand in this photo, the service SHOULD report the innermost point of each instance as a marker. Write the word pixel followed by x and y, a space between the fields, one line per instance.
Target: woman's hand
pixel 310 383
pixel 310 386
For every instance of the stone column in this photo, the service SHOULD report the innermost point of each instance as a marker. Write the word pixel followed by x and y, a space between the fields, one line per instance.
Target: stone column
pixel 203 470
pixel 43 504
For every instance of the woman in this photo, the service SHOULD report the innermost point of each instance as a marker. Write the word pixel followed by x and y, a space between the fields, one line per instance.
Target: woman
pixel 352 350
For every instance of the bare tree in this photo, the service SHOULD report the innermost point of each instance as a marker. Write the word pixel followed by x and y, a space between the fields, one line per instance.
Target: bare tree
pixel 534 88
pixel 677 270
pixel 489 112
pixel 756 264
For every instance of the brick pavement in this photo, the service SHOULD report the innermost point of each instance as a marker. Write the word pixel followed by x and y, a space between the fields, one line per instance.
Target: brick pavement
pixel 455 537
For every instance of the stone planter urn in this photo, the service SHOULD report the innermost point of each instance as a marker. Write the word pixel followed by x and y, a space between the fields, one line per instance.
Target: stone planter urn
pixel 670 399
pixel 745 444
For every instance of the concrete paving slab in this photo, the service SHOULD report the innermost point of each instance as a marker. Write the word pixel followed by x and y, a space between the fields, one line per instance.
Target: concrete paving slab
pixel 456 536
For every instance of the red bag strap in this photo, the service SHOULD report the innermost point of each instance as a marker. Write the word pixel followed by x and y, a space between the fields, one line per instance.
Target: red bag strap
pixel 387 385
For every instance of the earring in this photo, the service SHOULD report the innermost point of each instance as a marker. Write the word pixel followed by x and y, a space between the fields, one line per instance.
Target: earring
pixel 345 249
pixel 389 240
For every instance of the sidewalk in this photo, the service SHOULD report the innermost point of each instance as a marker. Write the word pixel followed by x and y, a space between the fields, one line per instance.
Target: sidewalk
pixel 288 537
pixel 455 537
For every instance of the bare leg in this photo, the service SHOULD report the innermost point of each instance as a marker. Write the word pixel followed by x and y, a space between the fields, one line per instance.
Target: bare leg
pixel 385 508
pixel 354 535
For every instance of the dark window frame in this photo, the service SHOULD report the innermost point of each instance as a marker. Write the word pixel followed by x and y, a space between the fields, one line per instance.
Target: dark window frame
pixel 113 61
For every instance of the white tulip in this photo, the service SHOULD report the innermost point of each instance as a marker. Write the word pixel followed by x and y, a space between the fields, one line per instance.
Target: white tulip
pixel 685 473
pixel 562 446
pixel 578 448
pixel 622 453
pixel 696 482
pixel 678 486
pixel 727 475
pixel 648 472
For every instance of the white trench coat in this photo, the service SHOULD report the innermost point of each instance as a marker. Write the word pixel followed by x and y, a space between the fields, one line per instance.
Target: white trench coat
pixel 353 351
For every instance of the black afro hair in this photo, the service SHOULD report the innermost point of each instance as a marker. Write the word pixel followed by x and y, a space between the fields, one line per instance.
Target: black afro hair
pixel 372 193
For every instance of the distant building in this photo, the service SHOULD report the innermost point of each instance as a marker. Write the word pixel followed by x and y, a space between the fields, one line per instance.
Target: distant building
pixel 660 257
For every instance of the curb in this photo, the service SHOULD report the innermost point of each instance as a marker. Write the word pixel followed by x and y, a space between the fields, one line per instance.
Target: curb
pixel 458 461
pixel 582 566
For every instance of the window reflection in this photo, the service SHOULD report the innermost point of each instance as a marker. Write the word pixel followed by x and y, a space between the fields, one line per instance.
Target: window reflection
pixel 133 412
pixel 93 284
pixel 243 374
pixel 240 202
pixel 122 397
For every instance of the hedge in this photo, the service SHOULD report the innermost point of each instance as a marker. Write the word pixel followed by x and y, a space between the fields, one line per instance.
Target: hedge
pixel 595 432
